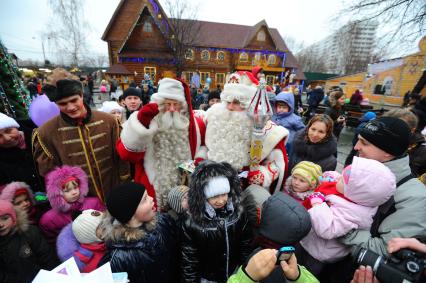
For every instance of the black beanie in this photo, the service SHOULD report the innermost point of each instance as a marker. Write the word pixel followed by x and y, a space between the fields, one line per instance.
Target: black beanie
pixel 132 91
pixel 390 134
pixel 213 94
pixel 123 201
pixel 67 87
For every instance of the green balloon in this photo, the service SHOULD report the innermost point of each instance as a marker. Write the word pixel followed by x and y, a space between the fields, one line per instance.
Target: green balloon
pixel 347 100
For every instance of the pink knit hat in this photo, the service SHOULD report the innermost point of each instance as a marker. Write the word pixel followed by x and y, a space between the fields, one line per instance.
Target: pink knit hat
pixel 7 208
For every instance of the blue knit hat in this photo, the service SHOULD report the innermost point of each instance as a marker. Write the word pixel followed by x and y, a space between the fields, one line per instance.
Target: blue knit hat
pixel 368 116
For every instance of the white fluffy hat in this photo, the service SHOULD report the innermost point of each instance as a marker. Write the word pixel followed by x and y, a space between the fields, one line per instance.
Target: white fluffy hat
pixel 238 87
pixel 85 225
pixel 7 122
pixel 169 89
pixel 109 106
pixel 217 186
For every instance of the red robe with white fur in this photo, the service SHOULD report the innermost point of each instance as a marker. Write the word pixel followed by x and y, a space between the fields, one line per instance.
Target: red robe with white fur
pixel 135 145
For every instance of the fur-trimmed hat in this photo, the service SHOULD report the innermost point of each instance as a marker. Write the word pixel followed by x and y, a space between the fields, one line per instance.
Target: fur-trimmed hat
pixel 175 198
pixel 54 183
pixel 7 122
pixel 85 225
pixel 200 179
pixel 169 89
pixel 109 106
pixel 240 88
pixel 14 189
pixel 66 88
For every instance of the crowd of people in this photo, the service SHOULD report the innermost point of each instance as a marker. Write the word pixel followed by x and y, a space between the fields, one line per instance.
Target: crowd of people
pixel 160 183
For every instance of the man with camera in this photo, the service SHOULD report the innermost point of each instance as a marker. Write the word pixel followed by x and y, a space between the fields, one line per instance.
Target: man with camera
pixel 364 274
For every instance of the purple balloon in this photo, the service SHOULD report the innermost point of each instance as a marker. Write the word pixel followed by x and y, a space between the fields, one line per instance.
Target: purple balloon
pixel 42 110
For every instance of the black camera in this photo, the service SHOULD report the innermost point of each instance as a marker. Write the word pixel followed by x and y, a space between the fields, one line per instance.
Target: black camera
pixel 404 266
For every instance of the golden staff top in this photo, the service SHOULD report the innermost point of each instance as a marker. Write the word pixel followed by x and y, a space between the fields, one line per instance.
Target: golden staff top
pixel 260 111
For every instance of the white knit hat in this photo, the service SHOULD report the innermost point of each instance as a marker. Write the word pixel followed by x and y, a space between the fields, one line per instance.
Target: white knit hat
pixel 217 186
pixel 109 106
pixel 238 87
pixel 7 122
pixel 169 89
pixel 85 225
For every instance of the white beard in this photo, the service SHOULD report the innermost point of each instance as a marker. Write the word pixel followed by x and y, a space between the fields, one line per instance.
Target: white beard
pixel 228 136
pixel 171 147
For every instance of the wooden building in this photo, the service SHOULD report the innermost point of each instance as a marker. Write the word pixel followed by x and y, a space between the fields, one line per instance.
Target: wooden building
pixel 387 81
pixel 138 37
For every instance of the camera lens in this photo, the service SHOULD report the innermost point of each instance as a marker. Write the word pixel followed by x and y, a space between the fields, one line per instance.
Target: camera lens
pixel 413 267
pixel 368 258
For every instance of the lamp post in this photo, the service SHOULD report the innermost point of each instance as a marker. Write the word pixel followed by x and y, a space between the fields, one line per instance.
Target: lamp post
pixel 260 111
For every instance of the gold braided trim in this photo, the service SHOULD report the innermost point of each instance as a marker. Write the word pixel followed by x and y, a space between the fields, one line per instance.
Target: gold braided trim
pixel 124 177
pixel 63 129
pixel 72 141
pixel 97 136
pixel 100 148
pixel 96 162
pixel 37 136
pixel 95 123
pixel 104 159
pixel 101 197
pixel 76 154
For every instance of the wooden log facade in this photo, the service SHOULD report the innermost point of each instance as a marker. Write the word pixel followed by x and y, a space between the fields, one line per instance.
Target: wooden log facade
pixel 138 40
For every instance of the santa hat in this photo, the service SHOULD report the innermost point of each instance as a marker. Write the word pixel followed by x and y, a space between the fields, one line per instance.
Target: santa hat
pixel 7 122
pixel 238 87
pixel 169 89
pixel 109 106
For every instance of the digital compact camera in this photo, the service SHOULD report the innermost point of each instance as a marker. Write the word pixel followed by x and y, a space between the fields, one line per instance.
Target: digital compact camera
pixel 285 253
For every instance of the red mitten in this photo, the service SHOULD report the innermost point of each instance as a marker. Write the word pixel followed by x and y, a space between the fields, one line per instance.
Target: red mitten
pixel 316 198
pixel 147 113
pixel 256 177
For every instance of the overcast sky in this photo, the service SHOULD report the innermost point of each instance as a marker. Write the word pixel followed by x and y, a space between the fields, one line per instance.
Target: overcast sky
pixel 22 21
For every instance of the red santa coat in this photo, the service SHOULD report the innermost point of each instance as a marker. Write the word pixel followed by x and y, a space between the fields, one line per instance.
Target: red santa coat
pixel 135 145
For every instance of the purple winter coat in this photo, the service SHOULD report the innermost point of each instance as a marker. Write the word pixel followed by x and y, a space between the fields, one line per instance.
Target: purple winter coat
pixel 52 222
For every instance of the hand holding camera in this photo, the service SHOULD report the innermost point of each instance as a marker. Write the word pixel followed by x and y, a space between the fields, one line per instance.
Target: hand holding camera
pixel 341 119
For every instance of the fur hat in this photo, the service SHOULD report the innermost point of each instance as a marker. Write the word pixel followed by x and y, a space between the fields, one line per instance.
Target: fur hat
pixel 203 173
pixel 132 91
pixel 7 122
pixel 175 198
pixel 109 106
pixel 7 208
pixel 123 200
pixel 238 87
pixel 309 171
pixel 10 191
pixel 55 180
pixel 169 89
pixel 390 134
pixel 284 221
pixel 66 88
pixel 217 186
pixel 85 225
pixel 213 94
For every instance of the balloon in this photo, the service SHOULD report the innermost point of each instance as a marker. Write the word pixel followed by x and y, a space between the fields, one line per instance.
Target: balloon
pixel 347 100
pixel 42 110
pixel 208 80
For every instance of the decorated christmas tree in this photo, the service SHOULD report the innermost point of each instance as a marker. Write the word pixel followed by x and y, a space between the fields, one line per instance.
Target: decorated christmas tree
pixel 14 98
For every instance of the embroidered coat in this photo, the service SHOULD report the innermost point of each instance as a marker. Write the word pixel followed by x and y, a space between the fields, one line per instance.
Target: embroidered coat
pixel 89 145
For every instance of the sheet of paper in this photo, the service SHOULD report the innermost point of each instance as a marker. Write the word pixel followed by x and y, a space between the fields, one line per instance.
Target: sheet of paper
pixel 45 276
pixel 102 274
pixel 68 267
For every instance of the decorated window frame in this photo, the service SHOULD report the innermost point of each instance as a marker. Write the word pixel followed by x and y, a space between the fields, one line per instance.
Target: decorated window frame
pixel 243 57
pixel 151 71
pixel 189 54
pixel 220 56
pixel 270 80
pixel 272 59
pixel 220 78
pixel 203 77
pixel 205 55
pixel 188 76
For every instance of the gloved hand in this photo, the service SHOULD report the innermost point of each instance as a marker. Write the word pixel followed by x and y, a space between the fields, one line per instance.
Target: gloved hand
pixel 316 198
pixel 147 113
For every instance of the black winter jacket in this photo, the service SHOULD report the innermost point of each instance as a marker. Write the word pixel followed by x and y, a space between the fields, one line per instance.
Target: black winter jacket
pixel 146 253
pixel 417 153
pixel 323 154
pixel 24 253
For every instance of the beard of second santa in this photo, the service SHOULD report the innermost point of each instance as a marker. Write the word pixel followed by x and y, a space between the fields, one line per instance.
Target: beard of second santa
pixel 171 147
pixel 228 137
